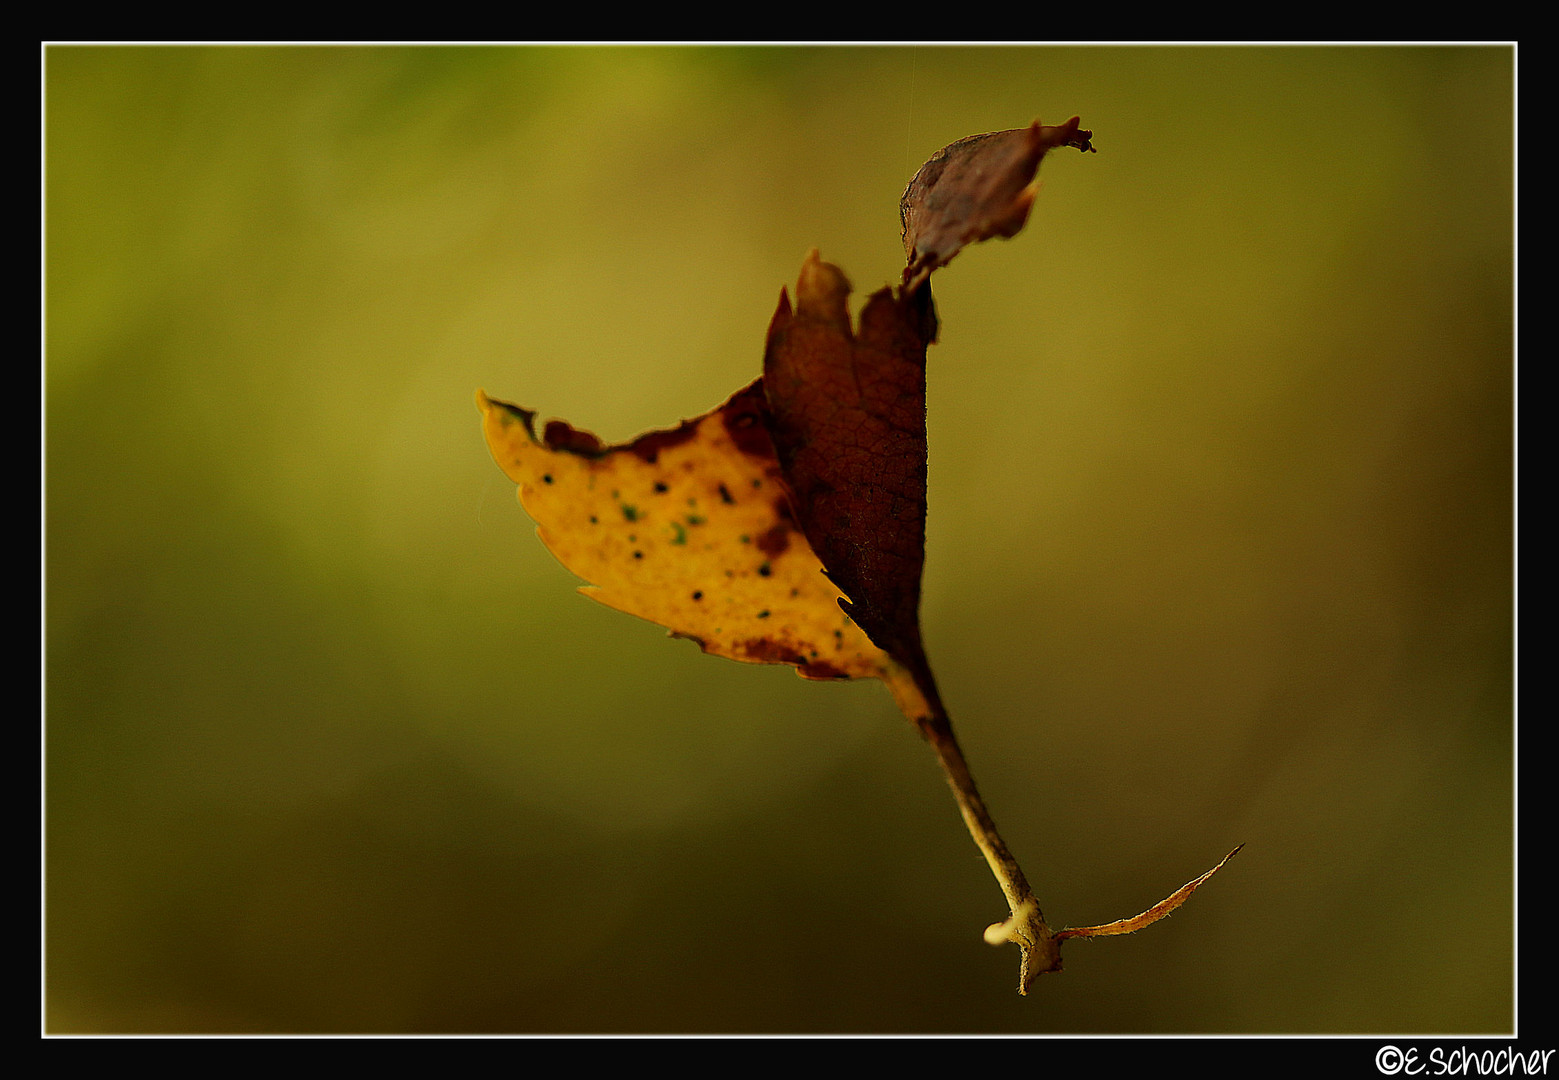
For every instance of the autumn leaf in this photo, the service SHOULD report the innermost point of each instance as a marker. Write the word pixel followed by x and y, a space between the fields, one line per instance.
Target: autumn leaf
pixel 788 525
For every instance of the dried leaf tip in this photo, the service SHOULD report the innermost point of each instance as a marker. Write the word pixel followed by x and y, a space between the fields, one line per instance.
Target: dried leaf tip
pixel 823 293
pixel 1152 914
pixel 1067 134
pixel 974 189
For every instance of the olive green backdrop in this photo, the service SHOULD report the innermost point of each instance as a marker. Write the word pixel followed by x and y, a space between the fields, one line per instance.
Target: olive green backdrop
pixel 1220 544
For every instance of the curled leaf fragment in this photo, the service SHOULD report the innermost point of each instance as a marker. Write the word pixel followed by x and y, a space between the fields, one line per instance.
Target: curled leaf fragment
pixel 974 189
pixel 1152 914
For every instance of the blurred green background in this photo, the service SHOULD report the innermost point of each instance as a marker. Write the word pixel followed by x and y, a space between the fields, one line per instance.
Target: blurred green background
pixel 1220 544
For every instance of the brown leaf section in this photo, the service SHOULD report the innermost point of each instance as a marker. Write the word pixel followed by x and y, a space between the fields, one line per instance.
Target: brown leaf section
pixel 847 412
pixel 690 528
pixel 974 189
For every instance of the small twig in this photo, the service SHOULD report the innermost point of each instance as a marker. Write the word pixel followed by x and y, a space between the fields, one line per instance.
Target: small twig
pixel 1025 927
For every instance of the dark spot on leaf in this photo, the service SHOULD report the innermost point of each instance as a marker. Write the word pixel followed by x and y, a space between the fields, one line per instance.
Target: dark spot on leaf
pixel 764 614
pixel 649 446
pixel 660 489
pixel 511 413
pixel 822 669
pixel 630 512
pixel 698 595
pixel 725 496
pixel 546 478
pixel 559 435
pixel 774 542
pixel 694 519
pixel 771 651
pixel 638 554
pixel 764 570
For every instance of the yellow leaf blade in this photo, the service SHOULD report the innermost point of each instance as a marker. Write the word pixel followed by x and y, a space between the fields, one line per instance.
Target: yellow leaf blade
pixel 689 528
